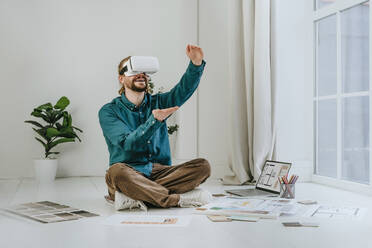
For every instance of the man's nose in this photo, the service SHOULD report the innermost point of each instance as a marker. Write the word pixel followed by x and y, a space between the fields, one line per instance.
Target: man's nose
pixel 141 74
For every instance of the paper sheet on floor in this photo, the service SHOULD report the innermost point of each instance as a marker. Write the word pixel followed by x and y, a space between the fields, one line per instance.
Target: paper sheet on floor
pixel 281 206
pixel 252 207
pixel 48 212
pixel 332 212
pixel 147 220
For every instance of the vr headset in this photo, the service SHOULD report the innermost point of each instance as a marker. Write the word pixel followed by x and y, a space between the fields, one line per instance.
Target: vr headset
pixel 140 64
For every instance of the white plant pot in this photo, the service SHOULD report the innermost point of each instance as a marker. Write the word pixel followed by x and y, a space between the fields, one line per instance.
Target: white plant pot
pixel 45 170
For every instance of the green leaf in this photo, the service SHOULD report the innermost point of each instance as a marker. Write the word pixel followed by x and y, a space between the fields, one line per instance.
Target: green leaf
pixel 52 132
pixel 46 119
pixel 62 103
pixel 35 123
pixel 40 114
pixel 75 135
pixel 49 114
pixel 58 116
pixel 41 132
pixel 45 106
pixel 42 142
pixel 37 110
pixel 59 141
pixel 69 123
pixel 37 113
pixel 65 119
pixel 172 129
pixel 53 117
pixel 59 126
pixel 77 129
pixel 68 133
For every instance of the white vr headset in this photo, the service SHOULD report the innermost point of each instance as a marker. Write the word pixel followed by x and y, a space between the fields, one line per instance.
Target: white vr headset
pixel 140 64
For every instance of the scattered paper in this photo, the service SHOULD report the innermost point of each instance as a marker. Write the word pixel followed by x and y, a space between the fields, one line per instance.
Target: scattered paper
pixel 218 195
pixel 331 212
pixel 219 218
pixel 300 224
pixel 147 220
pixel 258 208
pixel 244 218
pixel 307 202
pixel 48 212
pixel 280 206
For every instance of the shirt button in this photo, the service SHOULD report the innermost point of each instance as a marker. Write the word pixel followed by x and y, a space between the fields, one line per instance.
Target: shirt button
pixel 143 132
pixel 150 155
pixel 148 142
pixel 140 112
pixel 153 122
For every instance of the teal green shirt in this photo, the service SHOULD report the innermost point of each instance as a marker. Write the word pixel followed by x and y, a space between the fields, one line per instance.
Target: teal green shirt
pixel 133 135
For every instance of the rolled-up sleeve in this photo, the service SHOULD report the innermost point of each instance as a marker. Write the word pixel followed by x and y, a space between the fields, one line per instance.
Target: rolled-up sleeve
pixel 180 93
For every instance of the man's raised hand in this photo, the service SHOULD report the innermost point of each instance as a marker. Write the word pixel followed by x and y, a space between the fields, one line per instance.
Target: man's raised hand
pixel 162 114
pixel 195 54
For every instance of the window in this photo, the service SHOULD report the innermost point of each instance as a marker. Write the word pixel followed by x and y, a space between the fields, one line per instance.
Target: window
pixel 342 90
pixel 321 3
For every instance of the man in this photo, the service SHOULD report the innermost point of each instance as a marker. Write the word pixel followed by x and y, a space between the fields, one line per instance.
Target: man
pixel 135 131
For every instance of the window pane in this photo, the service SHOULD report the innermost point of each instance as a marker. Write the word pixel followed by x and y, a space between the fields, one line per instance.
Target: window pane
pixel 326 63
pixel 322 3
pixel 355 132
pixel 355 48
pixel 327 138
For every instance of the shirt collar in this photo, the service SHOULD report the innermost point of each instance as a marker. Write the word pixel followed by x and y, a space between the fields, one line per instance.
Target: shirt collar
pixel 131 105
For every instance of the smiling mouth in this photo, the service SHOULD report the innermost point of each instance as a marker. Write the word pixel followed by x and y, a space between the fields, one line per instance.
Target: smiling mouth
pixel 140 79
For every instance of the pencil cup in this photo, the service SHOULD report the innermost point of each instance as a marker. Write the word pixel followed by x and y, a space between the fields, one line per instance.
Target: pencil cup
pixel 287 191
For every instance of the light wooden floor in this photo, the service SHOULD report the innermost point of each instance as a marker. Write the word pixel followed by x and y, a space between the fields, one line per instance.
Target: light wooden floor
pixel 87 193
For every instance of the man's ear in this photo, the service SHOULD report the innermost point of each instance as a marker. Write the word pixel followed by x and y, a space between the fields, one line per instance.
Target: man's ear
pixel 121 78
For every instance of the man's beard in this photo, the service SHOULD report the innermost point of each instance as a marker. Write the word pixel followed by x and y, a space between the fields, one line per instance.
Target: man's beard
pixel 132 85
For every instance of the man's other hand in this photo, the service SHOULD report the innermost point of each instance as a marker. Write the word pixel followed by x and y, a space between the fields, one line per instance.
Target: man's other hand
pixel 162 114
pixel 195 54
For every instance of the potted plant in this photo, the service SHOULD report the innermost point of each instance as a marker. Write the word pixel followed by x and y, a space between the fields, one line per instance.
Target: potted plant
pixel 57 129
pixel 173 128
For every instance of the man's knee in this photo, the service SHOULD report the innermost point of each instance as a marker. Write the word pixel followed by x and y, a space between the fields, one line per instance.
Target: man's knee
pixel 108 180
pixel 123 177
pixel 204 167
pixel 122 174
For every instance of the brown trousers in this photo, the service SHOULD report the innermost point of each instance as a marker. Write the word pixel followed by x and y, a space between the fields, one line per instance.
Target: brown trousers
pixel 162 187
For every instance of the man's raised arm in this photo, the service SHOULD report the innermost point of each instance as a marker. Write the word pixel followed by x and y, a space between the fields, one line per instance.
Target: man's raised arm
pixel 180 93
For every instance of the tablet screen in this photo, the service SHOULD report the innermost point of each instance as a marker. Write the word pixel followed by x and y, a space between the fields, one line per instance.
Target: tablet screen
pixel 271 171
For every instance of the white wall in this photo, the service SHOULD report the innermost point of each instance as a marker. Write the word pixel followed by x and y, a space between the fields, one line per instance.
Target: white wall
pixel 53 48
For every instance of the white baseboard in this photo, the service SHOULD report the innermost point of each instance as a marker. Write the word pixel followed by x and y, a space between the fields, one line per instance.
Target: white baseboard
pixel 343 184
pixel 303 168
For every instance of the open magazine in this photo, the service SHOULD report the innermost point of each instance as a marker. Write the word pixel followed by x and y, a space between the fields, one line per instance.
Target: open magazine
pixel 48 212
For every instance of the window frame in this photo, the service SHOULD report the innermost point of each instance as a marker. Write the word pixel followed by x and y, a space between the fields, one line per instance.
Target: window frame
pixel 336 8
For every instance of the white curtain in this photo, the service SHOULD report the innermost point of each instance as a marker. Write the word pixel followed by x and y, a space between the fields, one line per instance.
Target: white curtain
pixel 252 127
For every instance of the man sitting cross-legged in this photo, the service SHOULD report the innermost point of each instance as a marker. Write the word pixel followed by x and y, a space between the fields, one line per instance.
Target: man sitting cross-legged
pixel 135 131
